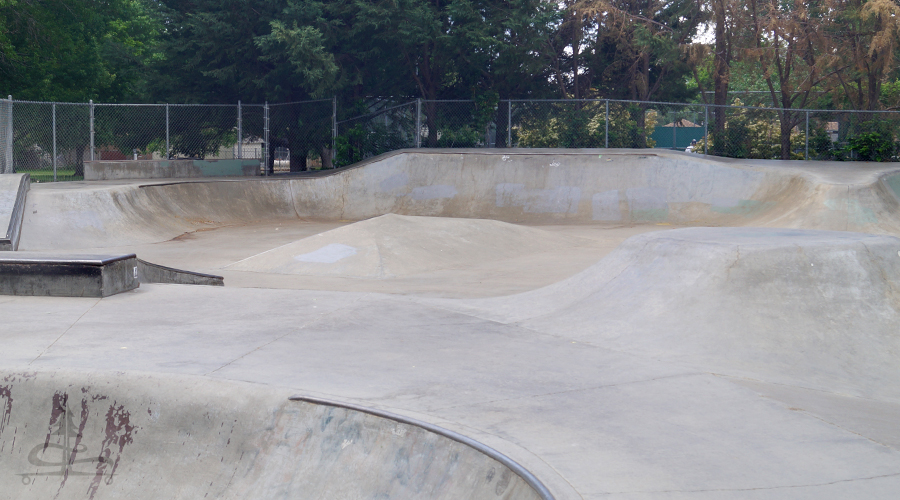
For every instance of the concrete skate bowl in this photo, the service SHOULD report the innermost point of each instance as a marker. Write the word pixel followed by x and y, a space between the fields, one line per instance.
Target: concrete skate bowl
pixel 525 186
pixel 814 309
pixel 70 435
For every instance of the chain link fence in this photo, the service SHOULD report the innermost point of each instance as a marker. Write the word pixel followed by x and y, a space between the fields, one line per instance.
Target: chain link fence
pixel 52 141
pixel 300 134
pixel 384 125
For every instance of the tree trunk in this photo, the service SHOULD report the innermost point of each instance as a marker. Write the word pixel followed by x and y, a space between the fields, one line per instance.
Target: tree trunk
pixel 430 112
pixel 874 91
pixel 640 137
pixel 298 161
pixel 787 123
pixel 721 78
pixel 326 157
pixel 298 149
pixel 79 161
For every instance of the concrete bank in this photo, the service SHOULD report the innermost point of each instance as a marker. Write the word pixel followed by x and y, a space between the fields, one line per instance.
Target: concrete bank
pixel 813 308
pixel 96 436
pixel 529 186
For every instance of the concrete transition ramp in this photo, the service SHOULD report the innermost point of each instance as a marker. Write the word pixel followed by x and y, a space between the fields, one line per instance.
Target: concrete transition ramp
pixel 527 186
pixel 93 436
pixel 396 245
pixel 149 272
pixel 13 189
pixel 815 309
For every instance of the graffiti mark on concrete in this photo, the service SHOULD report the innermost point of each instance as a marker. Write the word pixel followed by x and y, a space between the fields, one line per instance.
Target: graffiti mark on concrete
pixel 6 402
pixel 64 452
pixel 119 433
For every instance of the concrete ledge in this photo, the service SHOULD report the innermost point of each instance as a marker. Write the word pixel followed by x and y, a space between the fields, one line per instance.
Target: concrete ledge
pixel 167 169
pixel 13 189
pixel 41 274
pixel 155 273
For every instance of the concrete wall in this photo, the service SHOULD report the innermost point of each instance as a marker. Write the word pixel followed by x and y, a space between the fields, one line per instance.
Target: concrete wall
pixel 525 186
pixel 98 436
pixel 166 169
pixel 610 186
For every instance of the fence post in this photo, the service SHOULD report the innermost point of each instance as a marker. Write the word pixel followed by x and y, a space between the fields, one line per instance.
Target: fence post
pixel 333 130
pixel 674 144
pixel 806 153
pixel 168 148
pixel 606 126
pixel 8 155
pixel 92 129
pixel 706 129
pixel 240 151
pixel 266 151
pixel 54 142
pixel 418 122
pixel 509 124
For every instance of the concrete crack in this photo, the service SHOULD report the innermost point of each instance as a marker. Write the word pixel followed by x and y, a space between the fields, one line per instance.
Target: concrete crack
pixel 65 332
pixel 260 347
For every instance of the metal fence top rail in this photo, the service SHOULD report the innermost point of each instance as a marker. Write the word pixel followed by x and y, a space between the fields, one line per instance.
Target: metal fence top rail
pixel 14 101
pixel 374 113
pixel 702 105
pixel 288 103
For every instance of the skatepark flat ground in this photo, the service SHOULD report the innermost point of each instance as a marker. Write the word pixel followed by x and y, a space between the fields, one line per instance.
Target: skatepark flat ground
pixel 214 250
pixel 655 336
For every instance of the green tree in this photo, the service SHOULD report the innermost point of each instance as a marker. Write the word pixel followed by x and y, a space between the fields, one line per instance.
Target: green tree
pixel 75 51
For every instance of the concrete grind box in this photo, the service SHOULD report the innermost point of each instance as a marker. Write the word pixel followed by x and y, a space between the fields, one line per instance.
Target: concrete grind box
pixel 31 273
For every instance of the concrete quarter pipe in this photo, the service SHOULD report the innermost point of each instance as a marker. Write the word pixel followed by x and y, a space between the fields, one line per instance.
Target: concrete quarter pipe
pixel 752 356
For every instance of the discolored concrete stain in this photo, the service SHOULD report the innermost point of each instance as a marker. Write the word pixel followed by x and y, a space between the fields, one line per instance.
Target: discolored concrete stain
pixel 394 183
pixel 557 200
pixel 745 208
pixel 857 214
pixel 605 206
pixel 893 182
pixel 647 204
pixel 436 192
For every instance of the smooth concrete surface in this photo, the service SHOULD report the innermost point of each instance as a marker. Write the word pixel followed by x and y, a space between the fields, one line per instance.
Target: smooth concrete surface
pixel 13 190
pixel 631 358
pixel 70 275
pixel 168 169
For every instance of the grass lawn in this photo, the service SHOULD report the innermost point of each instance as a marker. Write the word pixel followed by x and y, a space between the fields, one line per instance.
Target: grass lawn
pixel 62 174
